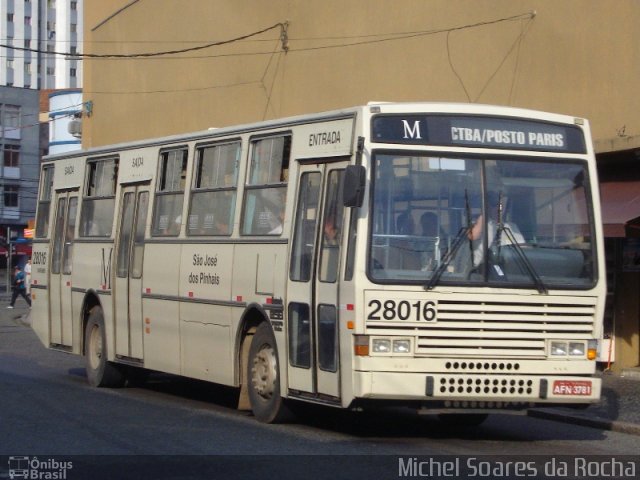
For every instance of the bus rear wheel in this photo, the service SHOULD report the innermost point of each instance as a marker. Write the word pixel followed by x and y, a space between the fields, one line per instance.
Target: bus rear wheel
pixel 100 372
pixel 263 376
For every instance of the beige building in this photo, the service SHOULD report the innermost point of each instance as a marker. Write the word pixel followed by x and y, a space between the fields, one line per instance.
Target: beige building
pixel 248 60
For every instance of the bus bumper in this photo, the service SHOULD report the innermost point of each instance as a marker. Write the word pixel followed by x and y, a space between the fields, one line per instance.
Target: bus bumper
pixel 534 389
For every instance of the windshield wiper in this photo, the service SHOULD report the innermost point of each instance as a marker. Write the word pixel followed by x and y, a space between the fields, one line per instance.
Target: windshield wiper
pixel 523 260
pixel 459 240
pixel 464 232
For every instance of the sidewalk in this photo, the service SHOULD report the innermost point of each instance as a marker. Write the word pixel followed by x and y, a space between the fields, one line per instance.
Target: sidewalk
pixel 618 410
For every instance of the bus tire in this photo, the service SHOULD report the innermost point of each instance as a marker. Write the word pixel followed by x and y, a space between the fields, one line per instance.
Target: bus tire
pixel 100 372
pixel 263 378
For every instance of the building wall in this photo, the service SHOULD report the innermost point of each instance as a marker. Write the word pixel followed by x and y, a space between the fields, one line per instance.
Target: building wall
pixel 63 106
pixel 579 57
pixel 26 135
pixel 42 26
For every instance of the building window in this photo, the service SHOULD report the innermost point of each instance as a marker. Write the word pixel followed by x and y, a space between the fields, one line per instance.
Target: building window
pixel 73 27
pixel 9 17
pixel 73 50
pixel 10 196
pixel 74 5
pixel 27 20
pixel 51 71
pixel 12 155
pixel 9 63
pixel 10 116
pixel 27 67
pixel 72 72
pixel 27 43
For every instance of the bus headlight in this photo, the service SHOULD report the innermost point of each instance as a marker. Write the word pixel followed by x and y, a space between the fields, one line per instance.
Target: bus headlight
pixel 566 348
pixel 576 349
pixel 558 349
pixel 402 345
pixel 381 345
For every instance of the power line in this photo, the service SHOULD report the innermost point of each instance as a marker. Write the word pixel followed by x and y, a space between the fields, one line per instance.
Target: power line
pixel 195 89
pixel 368 39
pixel 77 56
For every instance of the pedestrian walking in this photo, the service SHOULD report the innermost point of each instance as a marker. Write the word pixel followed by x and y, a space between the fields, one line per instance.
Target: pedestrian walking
pixel 19 287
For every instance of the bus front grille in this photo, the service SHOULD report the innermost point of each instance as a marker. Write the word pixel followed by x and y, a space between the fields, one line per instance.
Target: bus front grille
pixel 492 327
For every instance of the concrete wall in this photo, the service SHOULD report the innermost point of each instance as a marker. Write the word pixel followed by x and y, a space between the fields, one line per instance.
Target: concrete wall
pixel 580 57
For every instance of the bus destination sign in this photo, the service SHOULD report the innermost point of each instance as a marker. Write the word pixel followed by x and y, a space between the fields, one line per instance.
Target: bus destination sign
pixel 472 131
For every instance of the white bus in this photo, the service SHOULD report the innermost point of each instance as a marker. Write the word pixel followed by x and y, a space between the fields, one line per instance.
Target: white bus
pixel 443 256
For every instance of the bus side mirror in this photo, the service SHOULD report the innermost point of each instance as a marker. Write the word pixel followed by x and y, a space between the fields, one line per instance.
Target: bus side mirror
pixel 353 187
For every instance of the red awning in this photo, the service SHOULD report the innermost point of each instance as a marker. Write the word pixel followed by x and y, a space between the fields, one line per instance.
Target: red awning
pixel 22 249
pixel 620 204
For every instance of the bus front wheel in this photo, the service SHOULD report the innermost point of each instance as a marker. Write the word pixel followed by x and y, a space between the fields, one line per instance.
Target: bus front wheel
pixel 100 372
pixel 263 377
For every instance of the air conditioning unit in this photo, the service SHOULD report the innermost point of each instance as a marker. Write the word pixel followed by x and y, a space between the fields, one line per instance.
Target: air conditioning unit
pixel 75 128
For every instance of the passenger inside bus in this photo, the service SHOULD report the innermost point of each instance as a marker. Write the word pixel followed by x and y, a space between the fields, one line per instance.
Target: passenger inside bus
pixel 331 234
pixel 404 224
pixel 429 224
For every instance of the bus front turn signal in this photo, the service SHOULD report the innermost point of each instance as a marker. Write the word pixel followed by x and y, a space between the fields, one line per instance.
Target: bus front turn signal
pixel 361 345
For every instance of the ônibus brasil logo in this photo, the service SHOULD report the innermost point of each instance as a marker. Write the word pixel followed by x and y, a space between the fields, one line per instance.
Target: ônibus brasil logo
pixel 38 469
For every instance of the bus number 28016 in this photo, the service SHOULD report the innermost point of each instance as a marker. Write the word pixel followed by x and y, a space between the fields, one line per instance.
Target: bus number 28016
pixel 405 310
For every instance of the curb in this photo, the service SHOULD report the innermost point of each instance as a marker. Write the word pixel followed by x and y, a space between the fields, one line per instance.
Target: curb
pixel 599 423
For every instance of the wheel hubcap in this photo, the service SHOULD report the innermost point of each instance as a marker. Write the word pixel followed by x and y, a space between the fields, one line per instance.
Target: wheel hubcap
pixel 263 373
pixel 95 348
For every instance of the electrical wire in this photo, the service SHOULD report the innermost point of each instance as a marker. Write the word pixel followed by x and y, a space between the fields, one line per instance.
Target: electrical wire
pixel 21 127
pixel 179 90
pixel 78 56
pixel 369 39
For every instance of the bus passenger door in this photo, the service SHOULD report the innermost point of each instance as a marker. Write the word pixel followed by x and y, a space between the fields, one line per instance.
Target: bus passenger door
pixel 313 312
pixel 61 326
pixel 128 282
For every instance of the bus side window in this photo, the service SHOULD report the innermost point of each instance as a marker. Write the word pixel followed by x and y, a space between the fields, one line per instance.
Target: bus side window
pixel 99 202
pixel 44 204
pixel 305 228
pixel 213 195
pixel 167 211
pixel 332 228
pixel 266 189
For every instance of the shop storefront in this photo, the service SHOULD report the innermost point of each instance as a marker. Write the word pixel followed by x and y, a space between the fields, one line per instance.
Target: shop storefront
pixel 620 196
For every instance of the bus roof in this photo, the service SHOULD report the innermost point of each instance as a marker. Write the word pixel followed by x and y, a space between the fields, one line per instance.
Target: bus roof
pixel 373 107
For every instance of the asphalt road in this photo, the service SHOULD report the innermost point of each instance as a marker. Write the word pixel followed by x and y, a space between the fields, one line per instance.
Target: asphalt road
pixel 177 428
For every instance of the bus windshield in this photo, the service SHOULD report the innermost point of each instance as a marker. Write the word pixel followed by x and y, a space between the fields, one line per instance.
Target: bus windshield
pixel 503 221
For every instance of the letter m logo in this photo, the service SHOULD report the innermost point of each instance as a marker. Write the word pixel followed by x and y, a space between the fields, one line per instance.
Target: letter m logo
pixel 410 132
